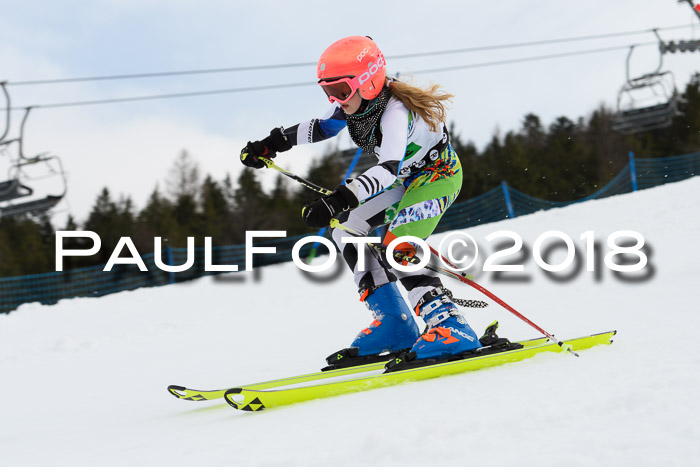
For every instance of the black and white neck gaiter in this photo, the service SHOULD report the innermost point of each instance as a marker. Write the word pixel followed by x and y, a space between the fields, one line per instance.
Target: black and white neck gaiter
pixel 363 127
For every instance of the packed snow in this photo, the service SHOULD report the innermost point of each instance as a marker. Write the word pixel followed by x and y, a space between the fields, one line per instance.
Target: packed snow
pixel 84 381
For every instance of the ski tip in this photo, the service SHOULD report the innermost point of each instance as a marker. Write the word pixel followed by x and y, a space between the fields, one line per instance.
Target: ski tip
pixel 177 391
pixel 231 399
pixel 238 401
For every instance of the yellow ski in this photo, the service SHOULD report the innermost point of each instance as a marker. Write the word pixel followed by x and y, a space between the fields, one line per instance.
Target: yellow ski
pixel 333 383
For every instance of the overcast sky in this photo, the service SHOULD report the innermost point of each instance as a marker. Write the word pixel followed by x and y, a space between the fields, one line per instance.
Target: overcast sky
pixel 129 147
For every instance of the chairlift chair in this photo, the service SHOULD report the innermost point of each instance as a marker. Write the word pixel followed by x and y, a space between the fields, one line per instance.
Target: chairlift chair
pixel 35 207
pixel 636 114
pixel 15 188
pixel 648 102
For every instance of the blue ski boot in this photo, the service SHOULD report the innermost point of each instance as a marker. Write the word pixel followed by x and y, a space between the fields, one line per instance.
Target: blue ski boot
pixel 392 331
pixel 393 328
pixel 448 332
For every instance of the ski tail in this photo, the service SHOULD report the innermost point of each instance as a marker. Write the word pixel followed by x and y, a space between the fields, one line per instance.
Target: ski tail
pixel 186 394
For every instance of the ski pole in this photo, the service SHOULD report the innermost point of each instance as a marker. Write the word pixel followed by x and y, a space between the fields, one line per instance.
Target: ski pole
pixel 482 289
pixel 296 178
pixel 307 184
pixel 461 277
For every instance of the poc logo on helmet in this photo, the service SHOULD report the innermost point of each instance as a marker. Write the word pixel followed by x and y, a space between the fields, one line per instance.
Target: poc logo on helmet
pixel 373 69
pixel 362 54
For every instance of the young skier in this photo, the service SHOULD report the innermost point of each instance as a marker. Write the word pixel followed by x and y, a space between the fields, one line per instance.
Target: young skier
pixel 417 177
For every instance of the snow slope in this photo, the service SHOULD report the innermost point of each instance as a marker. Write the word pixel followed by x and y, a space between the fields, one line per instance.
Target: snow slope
pixel 83 382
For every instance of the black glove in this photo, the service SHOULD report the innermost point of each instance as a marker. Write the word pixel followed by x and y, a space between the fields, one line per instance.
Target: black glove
pixel 320 211
pixel 268 147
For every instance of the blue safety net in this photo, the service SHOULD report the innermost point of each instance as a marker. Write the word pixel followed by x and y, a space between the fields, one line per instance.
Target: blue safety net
pixel 497 204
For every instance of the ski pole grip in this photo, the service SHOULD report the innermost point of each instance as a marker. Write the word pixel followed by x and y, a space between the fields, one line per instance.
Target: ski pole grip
pixel 268 162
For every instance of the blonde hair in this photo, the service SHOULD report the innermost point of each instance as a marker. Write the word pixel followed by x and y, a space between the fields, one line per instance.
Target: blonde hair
pixel 429 103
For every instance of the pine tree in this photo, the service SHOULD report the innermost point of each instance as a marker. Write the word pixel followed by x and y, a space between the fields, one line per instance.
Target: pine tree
pixel 216 212
pixel 326 172
pixel 183 176
pixel 156 219
pixel 610 148
pixel 183 187
pixel 103 220
pixel 250 206
pixel 23 249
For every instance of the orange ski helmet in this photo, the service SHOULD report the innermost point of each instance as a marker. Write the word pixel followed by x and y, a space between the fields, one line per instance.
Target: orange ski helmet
pixel 356 57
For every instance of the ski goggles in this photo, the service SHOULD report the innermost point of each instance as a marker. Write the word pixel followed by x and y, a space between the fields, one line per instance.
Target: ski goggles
pixel 340 90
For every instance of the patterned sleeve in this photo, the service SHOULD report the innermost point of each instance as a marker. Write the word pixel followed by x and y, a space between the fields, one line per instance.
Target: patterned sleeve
pixel 394 124
pixel 317 129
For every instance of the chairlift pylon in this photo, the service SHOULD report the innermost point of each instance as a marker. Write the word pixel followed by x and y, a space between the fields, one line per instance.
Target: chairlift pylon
pixel 634 112
pixel 695 8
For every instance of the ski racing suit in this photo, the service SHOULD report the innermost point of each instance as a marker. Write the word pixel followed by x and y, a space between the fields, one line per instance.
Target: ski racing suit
pixel 417 177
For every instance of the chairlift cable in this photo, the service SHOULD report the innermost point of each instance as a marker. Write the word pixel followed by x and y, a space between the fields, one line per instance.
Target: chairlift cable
pixel 311 83
pixel 303 64
pixel 531 59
